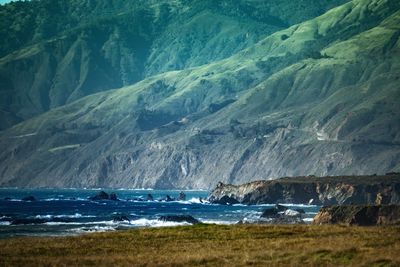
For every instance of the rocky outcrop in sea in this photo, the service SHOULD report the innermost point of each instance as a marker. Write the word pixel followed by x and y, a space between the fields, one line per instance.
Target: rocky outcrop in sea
pixel 340 190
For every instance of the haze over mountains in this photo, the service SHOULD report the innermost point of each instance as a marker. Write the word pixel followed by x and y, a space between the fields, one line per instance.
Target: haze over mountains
pixel 183 94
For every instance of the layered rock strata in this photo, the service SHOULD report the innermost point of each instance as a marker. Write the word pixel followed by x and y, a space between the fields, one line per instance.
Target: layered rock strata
pixel 384 189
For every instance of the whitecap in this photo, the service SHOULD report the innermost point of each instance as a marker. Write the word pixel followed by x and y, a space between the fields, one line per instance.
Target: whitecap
pixel 69 216
pixel 298 205
pixel 196 200
pixel 83 223
pixel 155 223
pixel 47 216
pixel 15 200
pixel 96 228
pixel 219 222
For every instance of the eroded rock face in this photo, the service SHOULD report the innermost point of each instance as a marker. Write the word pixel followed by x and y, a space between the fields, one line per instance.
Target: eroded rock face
pixel 312 190
pixel 359 215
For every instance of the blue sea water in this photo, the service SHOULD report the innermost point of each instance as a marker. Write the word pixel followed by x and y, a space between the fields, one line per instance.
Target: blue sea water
pixel 70 212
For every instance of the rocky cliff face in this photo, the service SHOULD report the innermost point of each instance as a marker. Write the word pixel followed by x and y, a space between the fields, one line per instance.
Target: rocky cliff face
pixel 319 97
pixel 359 215
pixel 312 190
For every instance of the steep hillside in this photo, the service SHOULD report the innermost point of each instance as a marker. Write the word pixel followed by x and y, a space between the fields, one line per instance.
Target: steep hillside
pixel 54 51
pixel 320 97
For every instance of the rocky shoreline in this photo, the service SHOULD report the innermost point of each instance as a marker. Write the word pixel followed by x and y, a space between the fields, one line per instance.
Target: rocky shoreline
pixel 338 190
pixel 362 215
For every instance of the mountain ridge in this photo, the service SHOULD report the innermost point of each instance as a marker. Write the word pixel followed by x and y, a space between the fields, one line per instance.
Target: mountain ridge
pixel 84 47
pixel 309 99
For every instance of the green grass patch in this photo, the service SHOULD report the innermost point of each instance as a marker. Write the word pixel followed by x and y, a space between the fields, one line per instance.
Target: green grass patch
pixel 211 245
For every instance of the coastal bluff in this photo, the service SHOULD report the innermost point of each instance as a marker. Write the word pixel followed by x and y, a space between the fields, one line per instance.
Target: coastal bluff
pixel 331 190
pixel 363 215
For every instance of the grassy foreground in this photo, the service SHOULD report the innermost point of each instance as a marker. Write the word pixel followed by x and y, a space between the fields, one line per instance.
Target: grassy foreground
pixel 212 245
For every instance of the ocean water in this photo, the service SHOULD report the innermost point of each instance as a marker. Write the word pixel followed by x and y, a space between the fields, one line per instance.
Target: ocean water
pixel 70 212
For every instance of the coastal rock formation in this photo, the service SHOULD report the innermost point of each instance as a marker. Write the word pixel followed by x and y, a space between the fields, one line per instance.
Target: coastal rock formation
pixel 29 198
pixel 359 215
pixel 277 215
pixel 121 218
pixel 179 218
pixel 341 190
pixel 104 196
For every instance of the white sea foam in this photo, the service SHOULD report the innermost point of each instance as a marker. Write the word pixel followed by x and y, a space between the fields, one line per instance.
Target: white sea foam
pixel 299 205
pixel 193 200
pixel 220 222
pixel 64 199
pixel 291 213
pixel 155 223
pixel 110 223
pixel 53 199
pixel 134 189
pixel 70 216
pixel 285 204
pixel 239 205
pixel 15 200
pixel 196 200
pixel 93 229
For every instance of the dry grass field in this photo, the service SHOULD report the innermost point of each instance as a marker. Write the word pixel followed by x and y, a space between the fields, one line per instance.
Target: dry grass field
pixel 212 245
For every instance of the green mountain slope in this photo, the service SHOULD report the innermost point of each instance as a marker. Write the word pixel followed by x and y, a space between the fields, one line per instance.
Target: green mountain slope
pixel 54 51
pixel 320 97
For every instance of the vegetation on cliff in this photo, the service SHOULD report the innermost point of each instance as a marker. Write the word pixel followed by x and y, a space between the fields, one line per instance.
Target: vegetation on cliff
pixel 54 52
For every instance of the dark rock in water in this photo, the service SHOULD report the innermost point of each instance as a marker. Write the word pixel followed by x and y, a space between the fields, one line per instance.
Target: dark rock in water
pixel 29 198
pixel 278 215
pixel 113 196
pixel 7 198
pixel 149 197
pixel 359 215
pixel 104 196
pixel 179 218
pixel 269 213
pixel 182 196
pixel 379 189
pixel 168 198
pixel 28 221
pixel 274 212
pixel 226 200
pixel 121 218
pixel 280 207
pixel 100 196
